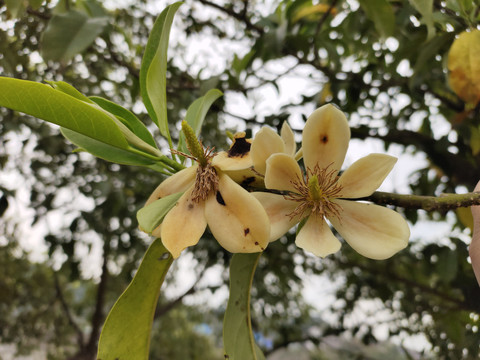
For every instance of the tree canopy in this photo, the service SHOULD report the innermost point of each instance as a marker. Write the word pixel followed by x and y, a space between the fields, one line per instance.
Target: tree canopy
pixel 388 65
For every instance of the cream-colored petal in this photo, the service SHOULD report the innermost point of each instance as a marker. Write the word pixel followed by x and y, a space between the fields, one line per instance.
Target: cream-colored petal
pixel 365 175
pixel 176 183
pixel 278 210
pixel 236 219
pixel 316 237
pixel 224 161
pixel 282 169
pixel 265 143
pixel 325 138
pixel 373 231
pixel 288 138
pixel 183 225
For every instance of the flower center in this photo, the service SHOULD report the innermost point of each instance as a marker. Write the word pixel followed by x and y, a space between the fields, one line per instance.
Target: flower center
pixel 206 179
pixel 316 192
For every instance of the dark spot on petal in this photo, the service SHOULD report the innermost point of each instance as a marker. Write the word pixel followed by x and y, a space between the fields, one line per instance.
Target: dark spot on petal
pixel 256 242
pixel 239 148
pixel 323 139
pixel 220 199
pixel 248 181
pixel 246 231
pixel 190 206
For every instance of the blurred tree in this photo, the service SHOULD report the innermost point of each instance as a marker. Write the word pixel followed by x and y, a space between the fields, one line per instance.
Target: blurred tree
pixel 382 62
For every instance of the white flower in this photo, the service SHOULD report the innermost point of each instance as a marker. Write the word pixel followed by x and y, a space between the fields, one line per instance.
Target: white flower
pixel 210 197
pixel 319 194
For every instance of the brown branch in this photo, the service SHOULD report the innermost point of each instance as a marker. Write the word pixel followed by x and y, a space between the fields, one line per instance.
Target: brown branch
pixel 162 310
pixel 66 310
pixel 98 314
pixel 238 16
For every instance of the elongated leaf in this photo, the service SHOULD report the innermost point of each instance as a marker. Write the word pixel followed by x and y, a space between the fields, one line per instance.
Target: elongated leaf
pixel 196 113
pixel 382 15
pixel 69 90
pixel 153 72
pixel 238 338
pixel 126 333
pixel 127 118
pixel 46 103
pixel 70 33
pixel 150 216
pixel 105 151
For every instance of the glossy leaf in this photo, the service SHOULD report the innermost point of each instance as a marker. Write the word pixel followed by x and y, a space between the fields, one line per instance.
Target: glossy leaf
pixel 381 13
pixel 153 72
pixel 238 340
pixel 126 333
pixel 46 103
pixel 196 114
pixel 107 152
pixel 127 118
pixel 150 216
pixel 69 33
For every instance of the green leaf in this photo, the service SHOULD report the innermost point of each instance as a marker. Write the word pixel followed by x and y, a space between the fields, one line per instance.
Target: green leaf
pixel 69 90
pixel 15 7
pixel 69 33
pixel 382 15
pixel 46 103
pixel 126 332
pixel 127 118
pixel 425 8
pixel 150 216
pixel 107 152
pixel 238 339
pixel 196 113
pixel 153 72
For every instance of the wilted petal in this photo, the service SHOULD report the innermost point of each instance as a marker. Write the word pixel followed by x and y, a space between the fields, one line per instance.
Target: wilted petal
pixel 183 225
pixel 278 210
pixel 266 143
pixel 282 169
pixel 325 138
pixel 316 237
pixel 224 161
pixel 373 231
pixel 176 183
pixel 288 138
pixel 236 219
pixel 365 175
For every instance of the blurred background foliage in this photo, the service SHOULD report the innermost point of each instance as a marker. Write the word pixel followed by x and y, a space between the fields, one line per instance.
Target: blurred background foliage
pixel 69 238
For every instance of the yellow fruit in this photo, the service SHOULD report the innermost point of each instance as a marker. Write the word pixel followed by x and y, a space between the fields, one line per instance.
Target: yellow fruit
pixel 464 66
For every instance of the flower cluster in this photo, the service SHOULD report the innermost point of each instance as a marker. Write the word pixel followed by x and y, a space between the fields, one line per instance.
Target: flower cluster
pixel 213 193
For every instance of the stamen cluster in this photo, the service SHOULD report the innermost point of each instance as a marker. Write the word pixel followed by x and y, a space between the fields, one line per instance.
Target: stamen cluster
pixel 315 193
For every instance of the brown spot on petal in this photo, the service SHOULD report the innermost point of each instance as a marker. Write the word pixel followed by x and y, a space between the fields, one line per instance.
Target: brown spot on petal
pixel 240 147
pixel 190 206
pixel 323 139
pixel 246 231
pixel 220 199
pixel 247 181
pixel 256 242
